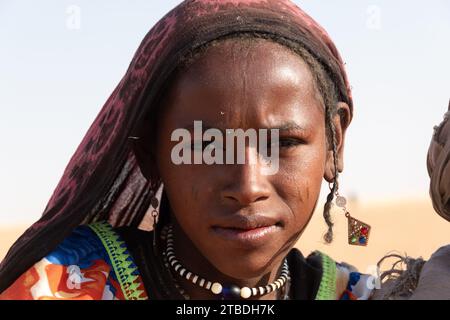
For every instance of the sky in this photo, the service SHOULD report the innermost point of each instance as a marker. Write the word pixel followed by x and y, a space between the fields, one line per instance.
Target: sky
pixel 60 60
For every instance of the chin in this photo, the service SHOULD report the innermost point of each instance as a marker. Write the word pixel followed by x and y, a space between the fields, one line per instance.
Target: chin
pixel 245 265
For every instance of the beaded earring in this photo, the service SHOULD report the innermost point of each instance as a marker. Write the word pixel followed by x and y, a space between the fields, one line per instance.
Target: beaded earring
pixel 358 231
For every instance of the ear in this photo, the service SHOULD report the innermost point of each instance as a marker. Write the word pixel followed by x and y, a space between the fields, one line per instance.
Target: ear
pixel 341 121
pixel 144 157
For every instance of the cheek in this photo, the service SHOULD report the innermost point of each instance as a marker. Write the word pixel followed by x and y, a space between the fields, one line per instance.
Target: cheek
pixel 300 179
pixel 185 185
pixel 187 193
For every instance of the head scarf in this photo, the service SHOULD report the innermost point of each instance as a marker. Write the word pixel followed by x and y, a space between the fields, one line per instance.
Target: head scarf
pixel 102 180
pixel 438 165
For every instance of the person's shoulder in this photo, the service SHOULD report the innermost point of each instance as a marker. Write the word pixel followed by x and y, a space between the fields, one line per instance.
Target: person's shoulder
pixel 420 279
pixel 329 279
pixel 341 280
pixel 434 280
pixel 85 265
pixel 77 268
pixel 81 247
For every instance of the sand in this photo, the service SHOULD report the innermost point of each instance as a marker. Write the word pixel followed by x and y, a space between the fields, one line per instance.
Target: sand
pixel 410 227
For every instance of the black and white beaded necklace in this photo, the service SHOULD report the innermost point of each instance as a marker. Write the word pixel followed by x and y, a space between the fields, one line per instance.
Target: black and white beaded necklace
pixel 226 292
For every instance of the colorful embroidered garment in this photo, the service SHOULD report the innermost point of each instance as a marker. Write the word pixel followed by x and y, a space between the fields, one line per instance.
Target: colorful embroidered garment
pixel 93 263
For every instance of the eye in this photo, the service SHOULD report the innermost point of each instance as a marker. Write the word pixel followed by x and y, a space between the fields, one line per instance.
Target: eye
pixel 286 143
pixel 200 145
pixel 290 142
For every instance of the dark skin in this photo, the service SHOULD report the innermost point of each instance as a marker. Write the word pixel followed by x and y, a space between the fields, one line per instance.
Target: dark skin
pixel 244 85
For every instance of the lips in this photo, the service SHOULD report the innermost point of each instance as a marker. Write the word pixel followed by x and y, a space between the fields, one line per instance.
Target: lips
pixel 247 231
pixel 247 222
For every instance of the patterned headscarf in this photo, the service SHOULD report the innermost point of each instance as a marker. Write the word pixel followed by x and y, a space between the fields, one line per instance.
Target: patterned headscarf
pixel 102 180
pixel 438 163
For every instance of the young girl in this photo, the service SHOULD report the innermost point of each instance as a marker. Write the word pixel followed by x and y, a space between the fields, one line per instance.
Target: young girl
pixel 221 231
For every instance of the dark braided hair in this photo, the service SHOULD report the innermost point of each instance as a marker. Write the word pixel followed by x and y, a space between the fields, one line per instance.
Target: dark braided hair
pixel 324 83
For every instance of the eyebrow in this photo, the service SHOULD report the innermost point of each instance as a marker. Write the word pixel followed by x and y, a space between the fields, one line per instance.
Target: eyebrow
pixel 190 127
pixel 288 126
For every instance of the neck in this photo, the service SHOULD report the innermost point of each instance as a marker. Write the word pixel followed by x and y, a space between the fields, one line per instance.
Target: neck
pixel 195 262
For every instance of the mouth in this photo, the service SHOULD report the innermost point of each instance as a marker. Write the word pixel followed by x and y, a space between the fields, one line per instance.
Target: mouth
pixel 248 231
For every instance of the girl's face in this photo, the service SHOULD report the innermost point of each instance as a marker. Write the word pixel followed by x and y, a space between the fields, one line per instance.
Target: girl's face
pixel 240 219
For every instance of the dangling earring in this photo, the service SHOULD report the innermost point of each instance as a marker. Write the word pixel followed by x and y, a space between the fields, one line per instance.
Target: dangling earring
pixel 154 203
pixel 358 231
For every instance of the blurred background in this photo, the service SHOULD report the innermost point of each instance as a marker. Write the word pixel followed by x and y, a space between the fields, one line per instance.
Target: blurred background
pixel 60 60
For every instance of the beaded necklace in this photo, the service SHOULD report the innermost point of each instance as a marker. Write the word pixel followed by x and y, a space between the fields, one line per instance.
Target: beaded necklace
pixel 226 292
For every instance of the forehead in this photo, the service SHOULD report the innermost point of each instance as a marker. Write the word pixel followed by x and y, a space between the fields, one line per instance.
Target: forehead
pixel 247 82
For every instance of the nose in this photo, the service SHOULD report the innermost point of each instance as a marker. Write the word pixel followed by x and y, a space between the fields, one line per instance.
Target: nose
pixel 247 183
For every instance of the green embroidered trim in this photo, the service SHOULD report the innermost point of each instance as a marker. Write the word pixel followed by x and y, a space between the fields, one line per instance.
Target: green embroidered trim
pixel 327 288
pixel 121 261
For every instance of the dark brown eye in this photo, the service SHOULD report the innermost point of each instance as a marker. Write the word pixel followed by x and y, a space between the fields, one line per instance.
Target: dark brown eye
pixel 200 145
pixel 286 143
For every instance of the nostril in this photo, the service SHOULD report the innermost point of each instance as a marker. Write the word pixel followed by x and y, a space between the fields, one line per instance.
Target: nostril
pixel 246 192
pixel 245 199
pixel 261 198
